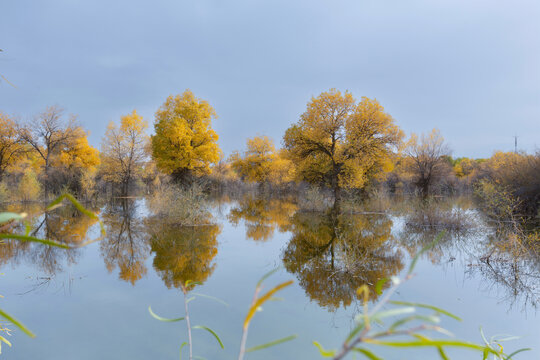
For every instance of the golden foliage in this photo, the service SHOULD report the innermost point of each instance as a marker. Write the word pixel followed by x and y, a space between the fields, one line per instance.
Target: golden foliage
pixel 78 154
pixel 341 143
pixel 29 187
pixel 333 254
pixel 184 140
pixel 123 149
pixel 261 162
pixel 10 143
pixel 183 253
pixel 262 216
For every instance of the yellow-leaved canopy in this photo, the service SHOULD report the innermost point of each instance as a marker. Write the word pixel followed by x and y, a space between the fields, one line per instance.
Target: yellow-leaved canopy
pixel 184 142
pixel 341 143
pixel 261 162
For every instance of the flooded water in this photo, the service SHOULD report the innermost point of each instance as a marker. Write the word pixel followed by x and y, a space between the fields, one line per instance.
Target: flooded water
pixel 92 303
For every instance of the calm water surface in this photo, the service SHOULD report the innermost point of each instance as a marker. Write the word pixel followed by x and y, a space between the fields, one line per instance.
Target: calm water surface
pixel 92 303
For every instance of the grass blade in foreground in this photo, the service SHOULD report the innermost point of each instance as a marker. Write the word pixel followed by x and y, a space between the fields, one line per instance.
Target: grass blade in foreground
pixel 160 318
pixel 17 323
pixel 272 343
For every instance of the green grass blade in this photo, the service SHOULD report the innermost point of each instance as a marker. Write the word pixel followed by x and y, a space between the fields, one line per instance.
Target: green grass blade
pixel 211 298
pixel 272 343
pixel 367 353
pixel 155 316
pixel 517 352
pixel 425 306
pixel 323 352
pixel 181 346
pixel 34 239
pixel 431 343
pixel 266 276
pixel 423 250
pixel 3 339
pixel 17 323
pixel 442 353
pixel 388 313
pixel 211 332
pixel 431 319
pixel 355 331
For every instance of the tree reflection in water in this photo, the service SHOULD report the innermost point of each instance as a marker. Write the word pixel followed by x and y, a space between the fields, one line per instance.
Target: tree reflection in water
pixel 125 245
pixel 333 254
pixel 183 252
pixel 262 216
pixel 65 224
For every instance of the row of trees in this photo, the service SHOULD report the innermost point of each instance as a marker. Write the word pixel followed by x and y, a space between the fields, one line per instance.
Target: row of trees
pixel 337 143
pixel 55 149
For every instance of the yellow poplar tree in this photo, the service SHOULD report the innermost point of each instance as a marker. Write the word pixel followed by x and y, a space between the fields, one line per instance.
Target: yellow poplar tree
pixel 184 143
pixel 341 143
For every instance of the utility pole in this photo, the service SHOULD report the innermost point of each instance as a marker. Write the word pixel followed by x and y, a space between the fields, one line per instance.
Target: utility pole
pixel 515 143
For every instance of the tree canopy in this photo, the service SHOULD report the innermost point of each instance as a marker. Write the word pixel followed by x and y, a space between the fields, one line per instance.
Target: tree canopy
pixel 341 143
pixel 184 141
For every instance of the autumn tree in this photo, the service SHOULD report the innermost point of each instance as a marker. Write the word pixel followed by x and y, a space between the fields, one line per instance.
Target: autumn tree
pixel 123 150
pixel 262 163
pixel 10 143
pixel 427 159
pixel 59 143
pixel 341 143
pixel 184 143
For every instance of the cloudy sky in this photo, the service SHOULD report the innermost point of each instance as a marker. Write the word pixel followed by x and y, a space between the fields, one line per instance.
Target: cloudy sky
pixel 470 68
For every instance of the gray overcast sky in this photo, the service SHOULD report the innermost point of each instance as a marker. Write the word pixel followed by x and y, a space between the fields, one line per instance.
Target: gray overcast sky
pixel 470 68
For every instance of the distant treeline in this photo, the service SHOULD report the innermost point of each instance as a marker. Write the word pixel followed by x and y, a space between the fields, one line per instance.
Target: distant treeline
pixel 338 143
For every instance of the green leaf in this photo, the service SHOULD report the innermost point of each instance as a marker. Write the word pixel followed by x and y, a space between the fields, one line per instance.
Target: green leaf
pixel 432 319
pixel 211 298
pixel 79 207
pixel 423 250
pixel 355 331
pixel 379 285
pixel 34 239
pixel 211 332
pixel 3 339
pixel 266 276
pixel 425 306
pixel 9 216
pixel 367 353
pixel 442 353
pixel 324 353
pixel 431 343
pixel 17 323
pixel 271 343
pixel 517 352
pixel 388 313
pixel 181 346
pixel 155 316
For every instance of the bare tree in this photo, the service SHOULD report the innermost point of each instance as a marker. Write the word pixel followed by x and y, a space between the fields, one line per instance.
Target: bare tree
pixel 427 159
pixel 48 133
pixel 124 150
